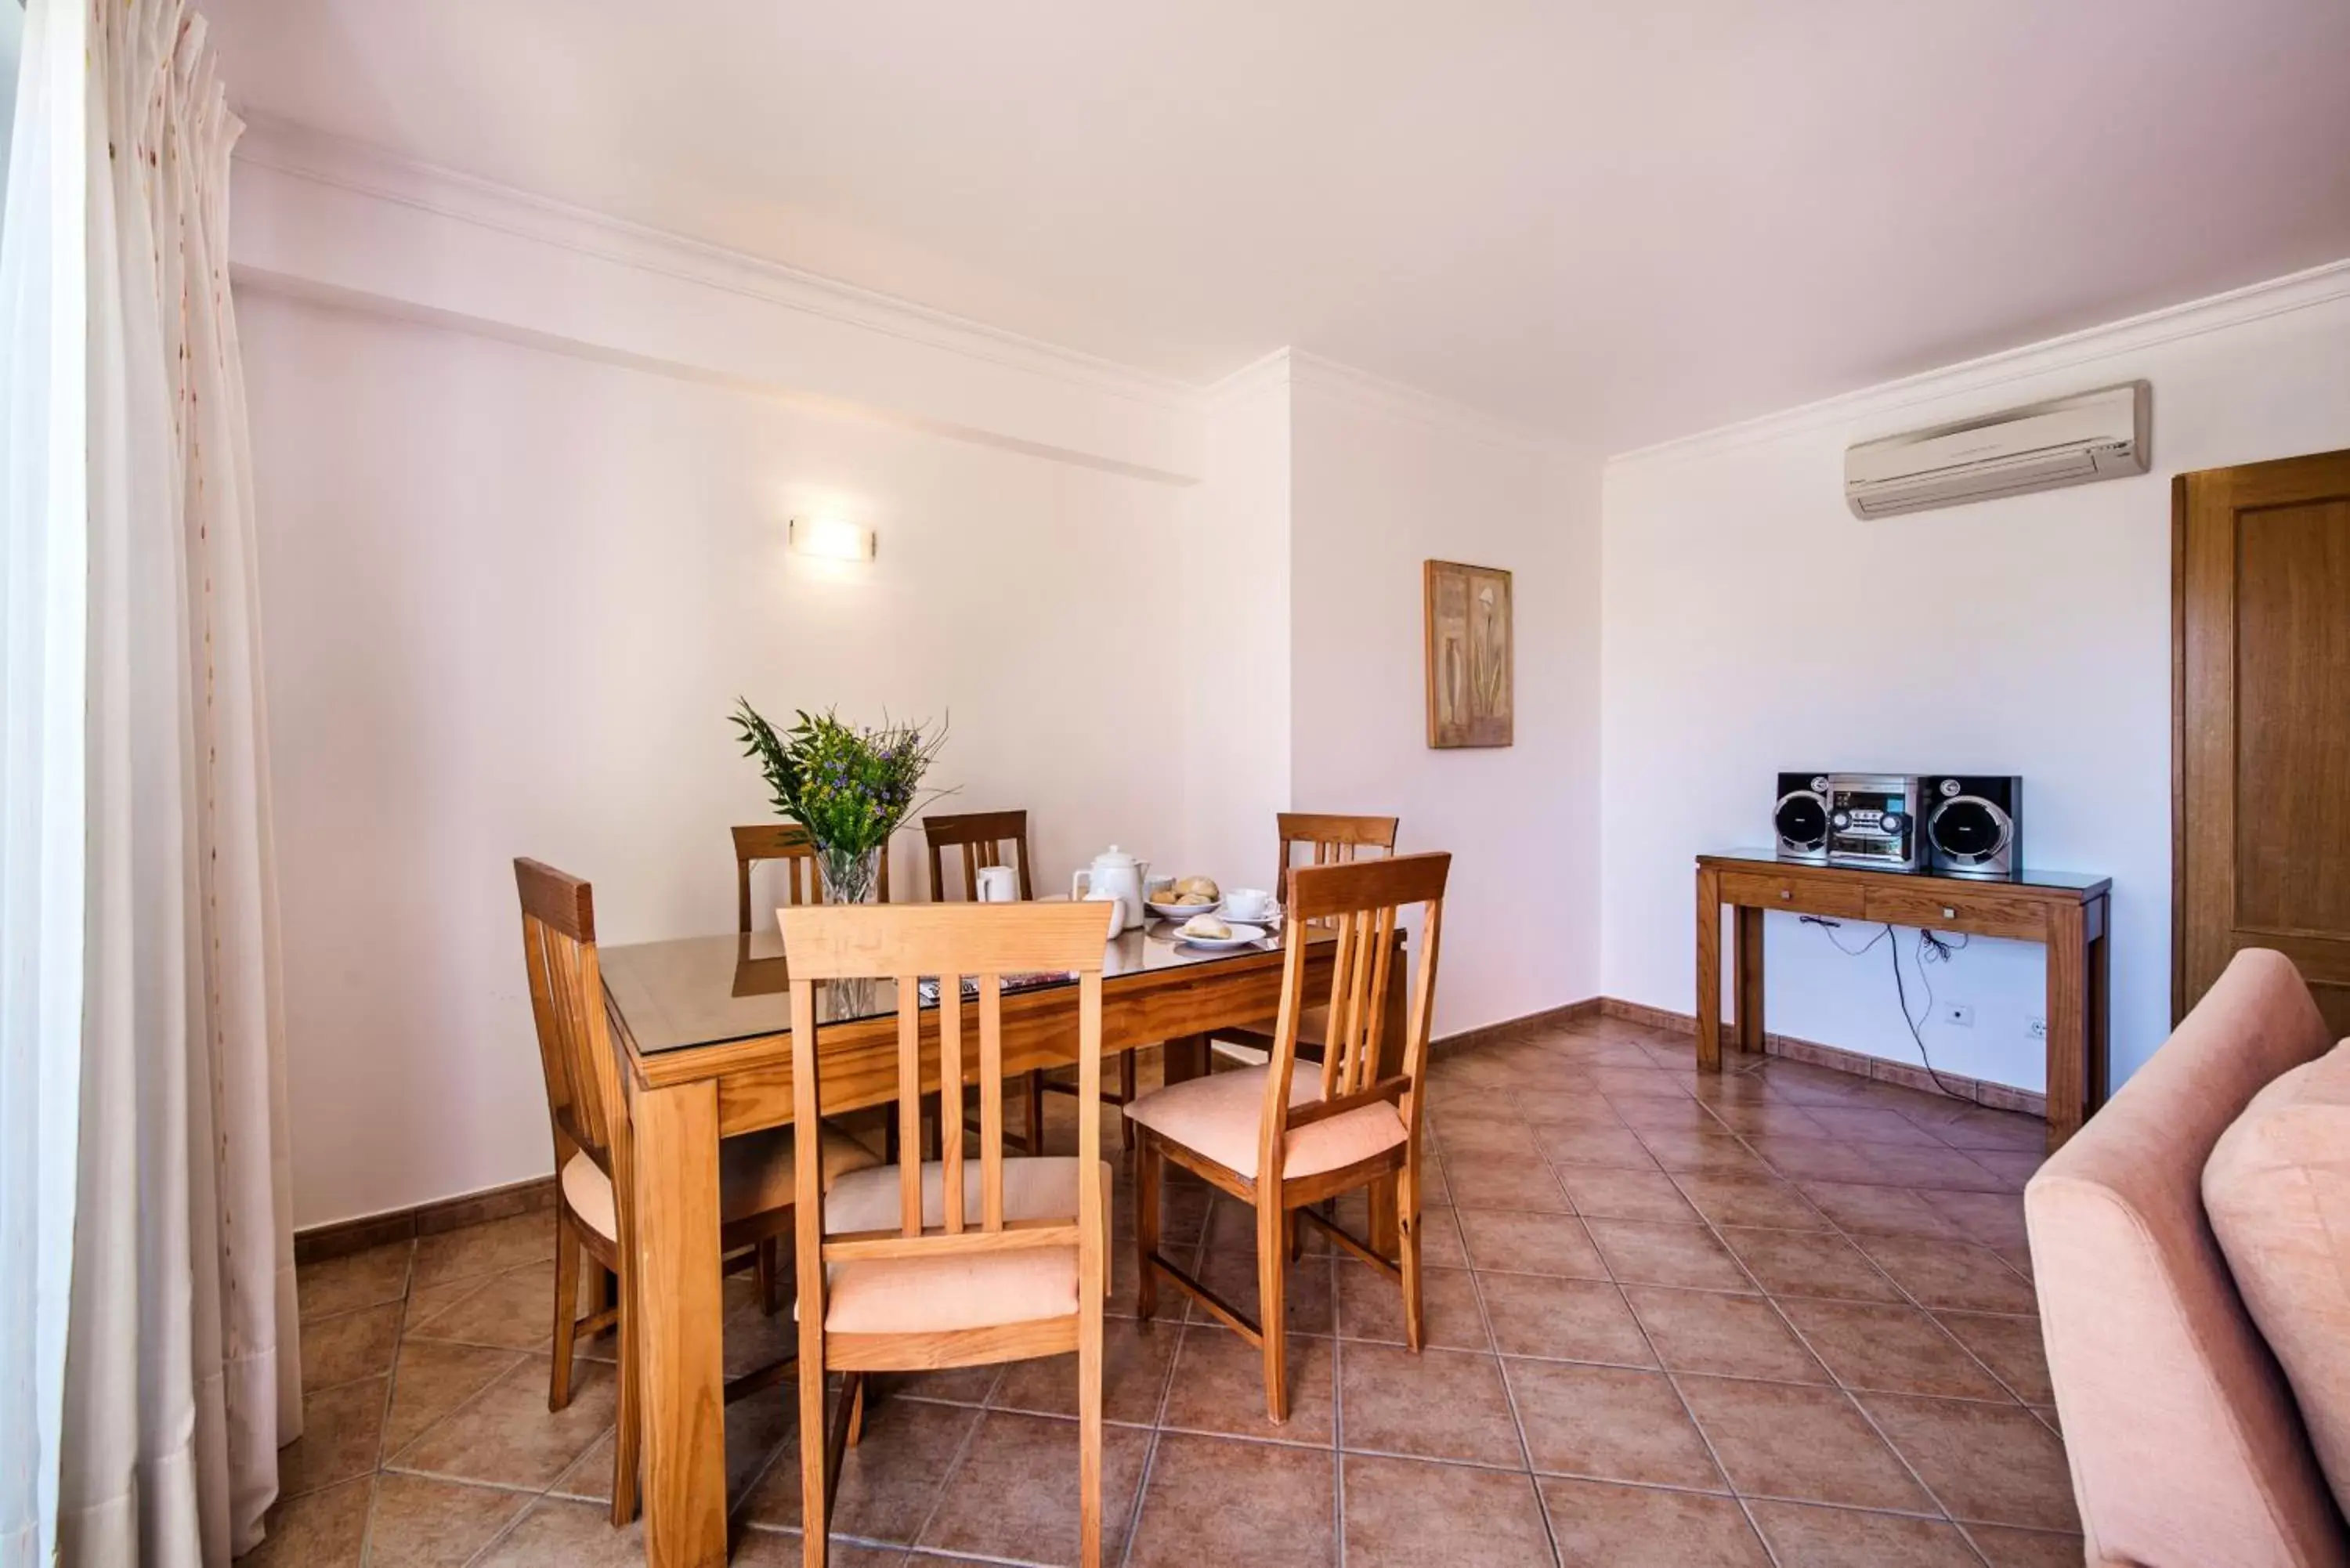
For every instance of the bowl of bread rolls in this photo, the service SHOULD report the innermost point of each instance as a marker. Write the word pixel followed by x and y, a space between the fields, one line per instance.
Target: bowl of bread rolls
pixel 1181 898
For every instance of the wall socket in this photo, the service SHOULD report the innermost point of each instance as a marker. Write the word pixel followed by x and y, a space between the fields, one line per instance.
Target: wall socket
pixel 1957 1014
pixel 2036 1029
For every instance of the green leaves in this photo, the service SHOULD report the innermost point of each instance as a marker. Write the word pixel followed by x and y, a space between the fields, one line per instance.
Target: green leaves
pixel 851 788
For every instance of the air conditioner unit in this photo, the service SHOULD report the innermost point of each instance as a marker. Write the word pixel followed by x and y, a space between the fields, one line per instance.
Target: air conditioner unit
pixel 2070 440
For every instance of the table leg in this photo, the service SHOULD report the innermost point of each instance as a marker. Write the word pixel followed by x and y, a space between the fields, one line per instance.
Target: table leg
pixel 1746 964
pixel 674 1286
pixel 1385 1197
pixel 2101 948
pixel 2069 1050
pixel 1184 1058
pixel 1708 969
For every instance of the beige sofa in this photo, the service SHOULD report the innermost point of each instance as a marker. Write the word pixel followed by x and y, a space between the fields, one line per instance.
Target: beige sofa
pixel 2186 1449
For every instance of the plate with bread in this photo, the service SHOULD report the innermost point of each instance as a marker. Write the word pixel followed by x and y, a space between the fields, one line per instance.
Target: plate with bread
pixel 1208 930
pixel 1184 896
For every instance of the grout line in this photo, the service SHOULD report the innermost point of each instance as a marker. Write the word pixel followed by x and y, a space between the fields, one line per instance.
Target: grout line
pixel 1509 1399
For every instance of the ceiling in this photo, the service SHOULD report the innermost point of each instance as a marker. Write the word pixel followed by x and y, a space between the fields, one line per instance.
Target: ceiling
pixel 1619 222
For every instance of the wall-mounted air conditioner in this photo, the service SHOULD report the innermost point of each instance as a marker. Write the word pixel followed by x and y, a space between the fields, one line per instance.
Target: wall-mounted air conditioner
pixel 2070 440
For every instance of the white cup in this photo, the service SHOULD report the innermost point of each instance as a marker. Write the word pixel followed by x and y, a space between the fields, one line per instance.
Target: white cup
pixel 1248 903
pixel 998 885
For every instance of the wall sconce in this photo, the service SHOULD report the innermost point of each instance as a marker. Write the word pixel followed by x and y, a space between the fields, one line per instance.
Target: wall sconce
pixel 830 539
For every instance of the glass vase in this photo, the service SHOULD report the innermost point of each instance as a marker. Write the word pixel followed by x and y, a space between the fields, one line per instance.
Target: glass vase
pixel 850 877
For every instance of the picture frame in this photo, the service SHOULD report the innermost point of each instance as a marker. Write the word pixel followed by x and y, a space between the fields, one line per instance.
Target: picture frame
pixel 1471 634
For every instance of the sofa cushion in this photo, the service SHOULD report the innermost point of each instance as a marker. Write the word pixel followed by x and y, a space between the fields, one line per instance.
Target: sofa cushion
pixel 2181 1434
pixel 2277 1189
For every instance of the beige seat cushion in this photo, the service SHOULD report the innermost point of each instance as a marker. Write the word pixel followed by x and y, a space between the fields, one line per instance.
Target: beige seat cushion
pixel 970 1290
pixel 2185 1447
pixel 2277 1189
pixel 1221 1115
pixel 754 1174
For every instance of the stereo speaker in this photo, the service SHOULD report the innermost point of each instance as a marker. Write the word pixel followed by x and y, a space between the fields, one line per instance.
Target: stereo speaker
pixel 1800 819
pixel 1974 824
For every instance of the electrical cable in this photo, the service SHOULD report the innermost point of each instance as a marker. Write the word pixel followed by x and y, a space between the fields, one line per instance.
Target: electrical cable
pixel 1932 949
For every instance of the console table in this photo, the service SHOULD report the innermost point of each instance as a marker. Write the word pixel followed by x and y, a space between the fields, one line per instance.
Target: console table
pixel 2064 910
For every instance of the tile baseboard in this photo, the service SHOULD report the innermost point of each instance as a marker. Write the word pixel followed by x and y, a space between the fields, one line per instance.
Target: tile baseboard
pixel 1512 1028
pixel 344 1237
pixel 1954 1086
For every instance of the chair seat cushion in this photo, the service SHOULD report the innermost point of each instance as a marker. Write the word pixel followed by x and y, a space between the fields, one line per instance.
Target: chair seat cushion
pixel 2277 1186
pixel 1221 1115
pixel 969 1290
pixel 755 1177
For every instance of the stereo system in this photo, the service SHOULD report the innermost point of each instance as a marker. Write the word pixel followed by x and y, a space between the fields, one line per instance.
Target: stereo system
pixel 1958 825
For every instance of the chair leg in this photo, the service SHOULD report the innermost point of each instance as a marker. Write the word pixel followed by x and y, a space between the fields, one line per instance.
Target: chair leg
pixel 763 1270
pixel 1292 1236
pixel 816 1490
pixel 1407 1246
pixel 857 1414
pixel 567 1310
pixel 1126 1081
pixel 1273 1316
pixel 1036 1097
pixel 1147 1173
pixel 628 1431
pixel 1089 1427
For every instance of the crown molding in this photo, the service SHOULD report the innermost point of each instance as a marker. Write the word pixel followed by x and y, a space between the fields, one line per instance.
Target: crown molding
pixel 1257 377
pixel 305 154
pixel 2308 289
pixel 1379 395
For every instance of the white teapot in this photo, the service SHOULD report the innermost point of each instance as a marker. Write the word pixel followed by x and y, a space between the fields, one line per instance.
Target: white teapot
pixel 1115 875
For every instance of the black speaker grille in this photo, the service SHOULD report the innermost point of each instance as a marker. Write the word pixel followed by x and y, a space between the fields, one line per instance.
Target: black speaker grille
pixel 1803 821
pixel 1969 828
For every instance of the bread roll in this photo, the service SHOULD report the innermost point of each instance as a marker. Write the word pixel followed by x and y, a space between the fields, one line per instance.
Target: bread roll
pixel 1205 887
pixel 1206 926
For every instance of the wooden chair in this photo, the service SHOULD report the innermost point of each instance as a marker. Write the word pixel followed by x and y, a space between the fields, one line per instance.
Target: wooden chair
pixel 593 1155
pixel 1334 840
pixel 892 1277
pixel 1279 1143
pixel 984 836
pixel 787 842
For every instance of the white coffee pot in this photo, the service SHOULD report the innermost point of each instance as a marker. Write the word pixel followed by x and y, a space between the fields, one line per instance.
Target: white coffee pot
pixel 1117 874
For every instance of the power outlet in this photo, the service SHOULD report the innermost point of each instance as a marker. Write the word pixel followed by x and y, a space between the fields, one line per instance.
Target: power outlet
pixel 2036 1029
pixel 1957 1014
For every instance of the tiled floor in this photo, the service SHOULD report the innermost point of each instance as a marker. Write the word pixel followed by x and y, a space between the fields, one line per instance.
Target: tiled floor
pixel 1780 1317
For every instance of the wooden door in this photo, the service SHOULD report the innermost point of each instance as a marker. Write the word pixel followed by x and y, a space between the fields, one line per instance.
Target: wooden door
pixel 2261 750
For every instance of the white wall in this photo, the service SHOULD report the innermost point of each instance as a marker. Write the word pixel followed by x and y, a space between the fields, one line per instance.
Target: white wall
pixel 509 597
pixel 2031 635
pixel 1382 482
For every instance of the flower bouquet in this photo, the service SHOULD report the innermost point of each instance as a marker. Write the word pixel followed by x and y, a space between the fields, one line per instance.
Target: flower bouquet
pixel 851 788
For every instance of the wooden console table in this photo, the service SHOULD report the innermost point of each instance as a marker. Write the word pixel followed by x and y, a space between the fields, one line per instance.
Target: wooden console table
pixel 2064 910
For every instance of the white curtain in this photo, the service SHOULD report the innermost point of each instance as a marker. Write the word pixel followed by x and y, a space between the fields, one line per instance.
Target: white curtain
pixel 180 1372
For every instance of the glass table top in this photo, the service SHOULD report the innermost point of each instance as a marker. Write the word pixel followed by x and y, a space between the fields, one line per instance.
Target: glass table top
pixel 705 990
pixel 2026 876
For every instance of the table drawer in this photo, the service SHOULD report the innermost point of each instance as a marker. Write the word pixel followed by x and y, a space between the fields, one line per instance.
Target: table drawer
pixel 1988 913
pixel 1800 895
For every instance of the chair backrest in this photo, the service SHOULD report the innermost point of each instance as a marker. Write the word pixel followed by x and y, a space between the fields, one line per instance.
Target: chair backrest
pixel 1365 903
pixel 790 843
pixel 567 1000
pixel 1334 840
pixel 982 836
pixel 906 944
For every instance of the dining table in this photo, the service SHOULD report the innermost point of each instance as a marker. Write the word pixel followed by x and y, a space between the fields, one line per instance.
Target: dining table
pixel 704 1027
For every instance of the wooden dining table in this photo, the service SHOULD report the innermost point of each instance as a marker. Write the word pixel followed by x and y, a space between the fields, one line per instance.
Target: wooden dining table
pixel 704 1025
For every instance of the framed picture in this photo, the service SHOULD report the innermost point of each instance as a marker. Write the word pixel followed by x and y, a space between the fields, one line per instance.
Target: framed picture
pixel 1471 680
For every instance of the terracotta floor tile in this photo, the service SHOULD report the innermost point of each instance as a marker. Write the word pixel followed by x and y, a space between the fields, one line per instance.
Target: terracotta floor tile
pixel 489 1249
pixel 1842 1537
pixel 1724 1335
pixel 511 1310
pixel 1218 1386
pixel 1746 1200
pixel 1135 1359
pixel 342 1432
pixel 1934 1167
pixel 346 1349
pixel 1756 1116
pixel 434 1379
pixel 1780 1439
pixel 1457 1135
pixel 1401 1514
pixel 1868 1123
pixel 355 1280
pixel 1674 1113
pixel 2010 1347
pixel 2007 1548
pixel 506 1436
pixel 1809 1264
pixel 1711 1154
pixel 1502 1181
pixel 1439 1405
pixel 1529 1243
pixel 561 1534
pixel 1994 1463
pixel 1564 1099
pixel 1813 1157
pixel 1610 1424
pixel 1371 1306
pixel 1689 1256
pixel 422 1523
pixel 1015 1493
pixel 1863 1209
pixel 1955 1275
pixel 1976 1128
pixel 1211 1503
pixel 1992 1219
pixel 764 1548
pixel 975 1385
pixel 2013 1168
pixel 1563 1319
pixel 1896 1348
pixel 1599 1192
pixel 1580 1143
pixel 1439 1238
pixel 890 1482
pixel 326 1529
pixel 1598 1525
pixel 1231 1271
